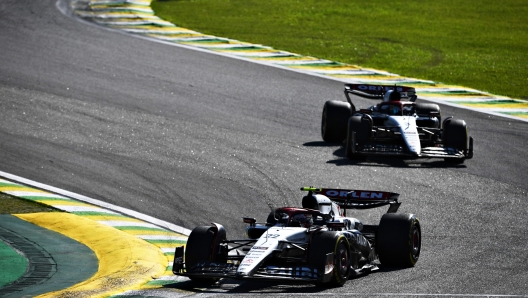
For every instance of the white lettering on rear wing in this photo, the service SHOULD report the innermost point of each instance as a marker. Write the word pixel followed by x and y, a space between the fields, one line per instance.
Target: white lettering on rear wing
pixel 357 194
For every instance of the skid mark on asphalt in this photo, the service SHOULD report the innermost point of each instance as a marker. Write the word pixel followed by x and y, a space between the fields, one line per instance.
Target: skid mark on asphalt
pixel 137 17
pixel 165 240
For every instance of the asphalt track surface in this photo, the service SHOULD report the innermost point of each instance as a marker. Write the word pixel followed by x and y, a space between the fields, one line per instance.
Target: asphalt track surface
pixel 190 137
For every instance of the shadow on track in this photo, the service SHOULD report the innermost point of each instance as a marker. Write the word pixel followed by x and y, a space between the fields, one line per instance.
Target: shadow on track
pixel 383 161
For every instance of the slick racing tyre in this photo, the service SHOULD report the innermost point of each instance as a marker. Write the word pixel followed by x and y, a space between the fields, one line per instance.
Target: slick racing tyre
pixel 334 120
pixel 326 242
pixel 358 133
pixel 398 240
pixel 423 110
pixel 200 247
pixel 455 135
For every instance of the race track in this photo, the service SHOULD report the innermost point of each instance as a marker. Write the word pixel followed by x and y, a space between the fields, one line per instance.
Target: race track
pixel 191 137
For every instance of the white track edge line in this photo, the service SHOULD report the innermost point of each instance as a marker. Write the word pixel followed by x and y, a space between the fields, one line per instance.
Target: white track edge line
pixel 69 194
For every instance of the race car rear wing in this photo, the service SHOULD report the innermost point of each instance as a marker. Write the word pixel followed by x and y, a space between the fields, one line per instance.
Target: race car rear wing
pixel 378 91
pixel 358 199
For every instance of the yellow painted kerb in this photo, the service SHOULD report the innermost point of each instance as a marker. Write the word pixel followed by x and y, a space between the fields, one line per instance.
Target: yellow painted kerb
pixel 125 262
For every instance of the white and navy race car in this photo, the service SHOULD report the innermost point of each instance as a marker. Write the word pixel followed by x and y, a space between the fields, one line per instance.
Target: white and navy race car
pixel 317 243
pixel 395 126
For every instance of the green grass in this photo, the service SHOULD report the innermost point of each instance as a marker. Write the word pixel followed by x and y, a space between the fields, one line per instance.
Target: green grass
pixel 478 44
pixel 14 205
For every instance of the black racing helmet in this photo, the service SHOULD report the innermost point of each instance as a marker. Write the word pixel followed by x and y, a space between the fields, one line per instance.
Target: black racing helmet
pixel 392 95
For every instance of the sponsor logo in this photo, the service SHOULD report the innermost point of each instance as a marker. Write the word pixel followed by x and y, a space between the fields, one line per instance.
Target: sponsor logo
pixel 354 194
pixel 337 193
pixel 259 248
pixel 378 88
pixel 367 195
pixel 247 261
pixel 292 271
pixel 211 264
pixel 272 235
pixel 256 253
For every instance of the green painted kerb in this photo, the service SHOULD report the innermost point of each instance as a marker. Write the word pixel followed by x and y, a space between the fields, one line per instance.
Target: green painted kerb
pixel 12 263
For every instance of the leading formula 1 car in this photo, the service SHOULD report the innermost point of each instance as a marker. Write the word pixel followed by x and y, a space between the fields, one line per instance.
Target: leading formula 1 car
pixel 396 126
pixel 317 243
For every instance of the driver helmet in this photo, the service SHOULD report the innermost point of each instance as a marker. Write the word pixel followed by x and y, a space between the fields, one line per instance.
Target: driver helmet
pixel 392 95
pixel 305 220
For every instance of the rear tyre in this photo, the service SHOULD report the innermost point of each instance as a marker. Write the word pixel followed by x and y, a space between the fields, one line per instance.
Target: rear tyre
pixel 398 240
pixel 455 135
pixel 423 110
pixel 334 120
pixel 200 247
pixel 358 133
pixel 326 242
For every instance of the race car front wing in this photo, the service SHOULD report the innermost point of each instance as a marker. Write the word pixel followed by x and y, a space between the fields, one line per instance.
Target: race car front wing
pixel 209 269
pixel 426 152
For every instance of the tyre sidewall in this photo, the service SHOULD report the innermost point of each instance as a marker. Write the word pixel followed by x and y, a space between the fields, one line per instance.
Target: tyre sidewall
pixel 398 240
pixel 325 242
pixel 358 133
pixel 455 134
pixel 334 120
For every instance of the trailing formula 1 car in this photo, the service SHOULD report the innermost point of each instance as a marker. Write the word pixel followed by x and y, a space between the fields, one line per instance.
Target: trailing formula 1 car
pixel 396 126
pixel 317 243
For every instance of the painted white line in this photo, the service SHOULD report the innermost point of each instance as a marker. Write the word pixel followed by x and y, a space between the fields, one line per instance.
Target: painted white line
pixel 166 250
pixel 154 221
pixel 39 194
pixel 160 237
pixel 123 223
pixel 69 208
pixel 354 72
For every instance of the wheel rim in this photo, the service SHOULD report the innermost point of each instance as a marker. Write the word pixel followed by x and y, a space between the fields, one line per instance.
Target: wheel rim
pixel 343 261
pixel 416 243
pixel 323 123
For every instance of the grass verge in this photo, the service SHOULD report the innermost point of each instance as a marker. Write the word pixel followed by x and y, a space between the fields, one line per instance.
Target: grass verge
pixel 457 42
pixel 13 205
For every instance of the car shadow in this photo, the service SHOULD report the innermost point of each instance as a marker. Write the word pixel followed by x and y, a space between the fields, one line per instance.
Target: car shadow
pixel 390 269
pixel 321 144
pixel 383 161
pixel 230 286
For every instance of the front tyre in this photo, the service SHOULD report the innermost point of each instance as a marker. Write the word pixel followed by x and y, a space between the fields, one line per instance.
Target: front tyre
pixel 398 240
pixel 455 135
pixel 358 133
pixel 326 242
pixel 334 120
pixel 201 247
